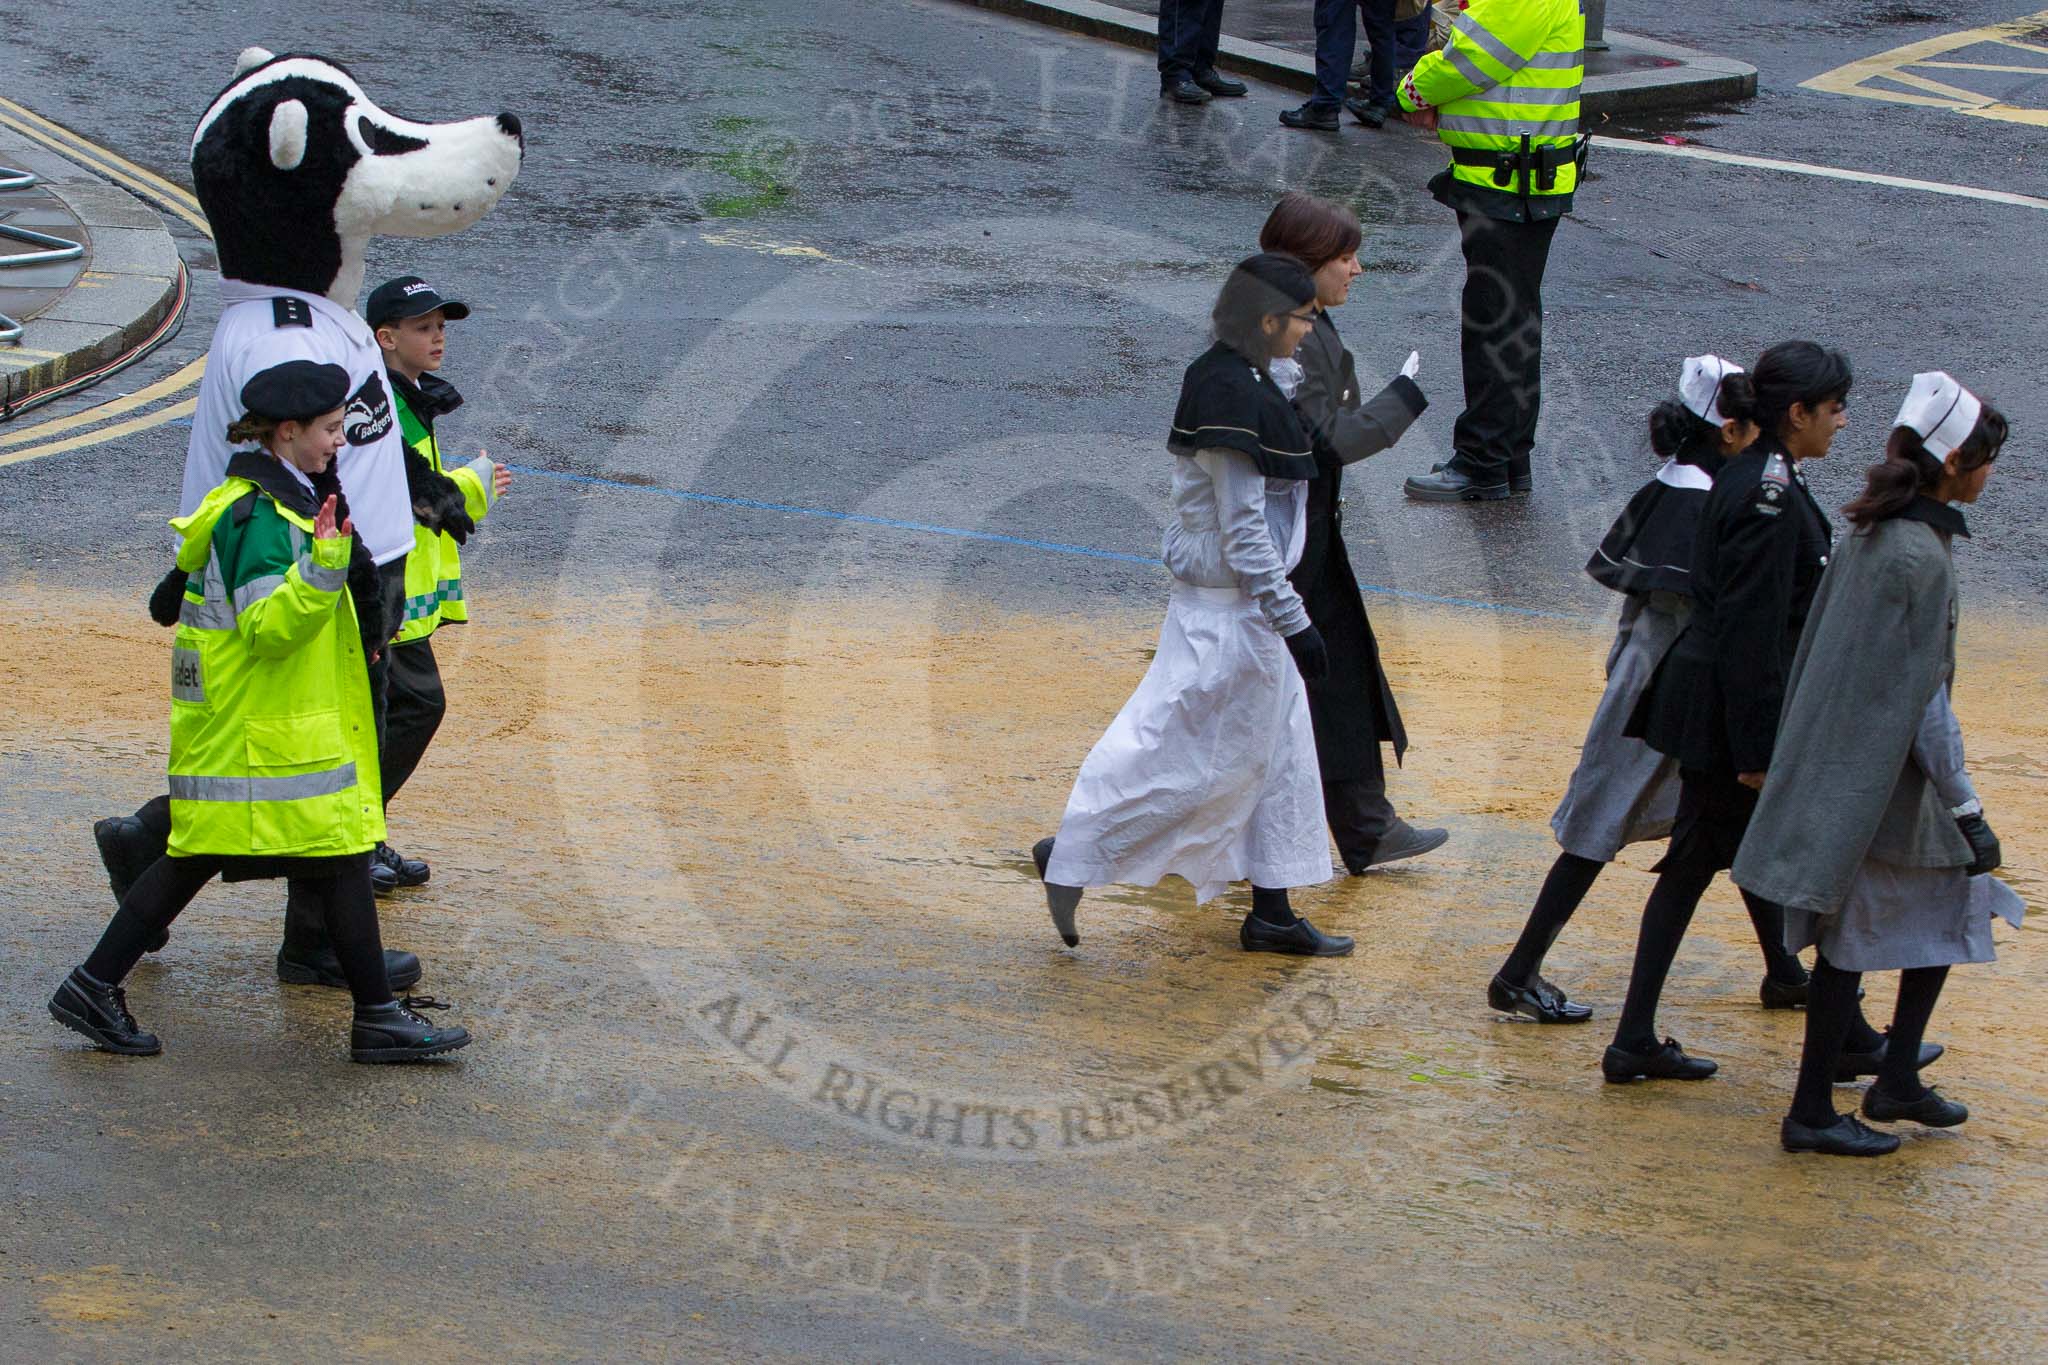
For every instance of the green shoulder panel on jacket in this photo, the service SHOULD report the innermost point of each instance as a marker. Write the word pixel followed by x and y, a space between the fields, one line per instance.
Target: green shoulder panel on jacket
pixel 265 545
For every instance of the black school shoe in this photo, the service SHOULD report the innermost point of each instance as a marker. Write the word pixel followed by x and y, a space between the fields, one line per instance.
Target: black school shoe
pixel 1184 91
pixel 396 1032
pixel 1931 1110
pixel 1855 1065
pixel 100 1012
pixel 1846 1136
pixel 1319 118
pixel 300 968
pixel 1220 85
pixel 1538 1000
pixel 1401 841
pixel 1300 938
pixel 1666 1062
pixel 1444 484
pixel 404 871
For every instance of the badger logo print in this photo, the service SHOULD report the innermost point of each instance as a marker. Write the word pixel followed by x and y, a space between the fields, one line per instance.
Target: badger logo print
pixel 369 413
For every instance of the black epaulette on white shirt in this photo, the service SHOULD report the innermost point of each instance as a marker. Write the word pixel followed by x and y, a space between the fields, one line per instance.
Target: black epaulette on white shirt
pixel 286 311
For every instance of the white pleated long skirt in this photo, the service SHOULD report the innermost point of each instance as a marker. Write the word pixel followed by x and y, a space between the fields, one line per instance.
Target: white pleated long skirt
pixel 1209 771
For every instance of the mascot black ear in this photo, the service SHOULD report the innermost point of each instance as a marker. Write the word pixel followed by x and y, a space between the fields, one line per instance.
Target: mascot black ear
pixel 288 135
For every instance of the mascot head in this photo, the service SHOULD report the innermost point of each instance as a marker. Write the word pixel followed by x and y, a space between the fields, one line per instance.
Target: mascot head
pixel 297 169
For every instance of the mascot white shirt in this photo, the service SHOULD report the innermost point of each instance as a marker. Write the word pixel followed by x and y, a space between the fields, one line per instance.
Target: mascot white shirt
pixel 262 326
pixel 297 169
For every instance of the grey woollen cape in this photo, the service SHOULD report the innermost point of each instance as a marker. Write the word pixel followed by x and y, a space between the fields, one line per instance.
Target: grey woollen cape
pixel 1842 784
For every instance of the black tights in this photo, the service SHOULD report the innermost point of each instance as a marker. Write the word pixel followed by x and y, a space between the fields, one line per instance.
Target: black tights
pixel 1831 1017
pixel 1666 917
pixel 1270 904
pixel 160 894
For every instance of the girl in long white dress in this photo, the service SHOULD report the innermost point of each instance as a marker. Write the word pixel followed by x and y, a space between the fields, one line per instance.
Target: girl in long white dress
pixel 1209 771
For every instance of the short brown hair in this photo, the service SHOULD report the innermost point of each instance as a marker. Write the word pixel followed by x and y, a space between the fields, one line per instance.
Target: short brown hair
pixel 1316 230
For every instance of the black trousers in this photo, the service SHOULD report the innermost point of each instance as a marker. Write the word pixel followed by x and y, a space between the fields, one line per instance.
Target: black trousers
pixel 1502 344
pixel 1189 33
pixel 413 710
pixel 1359 813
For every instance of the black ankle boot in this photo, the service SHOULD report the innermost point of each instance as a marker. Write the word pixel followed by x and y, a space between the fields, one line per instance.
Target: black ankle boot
pixel 320 967
pixel 100 1012
pixel 395 1032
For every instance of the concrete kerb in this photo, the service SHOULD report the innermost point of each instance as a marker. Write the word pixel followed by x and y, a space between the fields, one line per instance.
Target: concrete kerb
pixel 129 286
pixel 1692 79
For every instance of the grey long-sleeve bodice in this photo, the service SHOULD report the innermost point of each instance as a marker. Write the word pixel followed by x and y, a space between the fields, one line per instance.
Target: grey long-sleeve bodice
pixel 1235 528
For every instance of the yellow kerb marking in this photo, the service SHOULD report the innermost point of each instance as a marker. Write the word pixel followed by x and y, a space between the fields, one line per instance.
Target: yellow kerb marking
pixel 1879 77
pixel 113 407
pixel 93 438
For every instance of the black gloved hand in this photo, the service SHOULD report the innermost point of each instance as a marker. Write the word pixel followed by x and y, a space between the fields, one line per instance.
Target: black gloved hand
pixel 169 598
pixel 1313 661
pixel 437 501
pixel 1983 843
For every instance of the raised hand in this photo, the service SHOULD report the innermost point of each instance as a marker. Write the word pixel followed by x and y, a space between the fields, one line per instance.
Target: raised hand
pixel 323 522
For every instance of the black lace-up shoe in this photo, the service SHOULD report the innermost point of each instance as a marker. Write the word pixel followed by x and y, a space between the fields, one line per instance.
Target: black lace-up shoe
pixel 1854 1065
pixel 1184 91
pixel 100 1012
pixel 1300 938
pixel 397 1032
pixel 1220 85
pixel 1060 901
pixel 404 871
pixel 1846 1136
pixel 1321 118
pixel 1666 1062
pixel 1446 484
pixel 298 967
pixel 1932 1110
pixel 1538 1000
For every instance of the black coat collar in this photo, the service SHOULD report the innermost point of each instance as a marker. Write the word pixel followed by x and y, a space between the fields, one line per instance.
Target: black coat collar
pixel 1939 515
pixel 431 397
pixel 262 469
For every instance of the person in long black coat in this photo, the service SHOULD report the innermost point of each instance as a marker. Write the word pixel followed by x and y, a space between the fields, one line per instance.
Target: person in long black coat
pixel 1353 708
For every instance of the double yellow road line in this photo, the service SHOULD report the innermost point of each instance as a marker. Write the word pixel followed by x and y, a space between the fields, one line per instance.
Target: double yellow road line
pixel 96 424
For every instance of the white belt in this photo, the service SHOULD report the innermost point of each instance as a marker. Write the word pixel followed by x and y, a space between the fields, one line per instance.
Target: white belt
pixel 1214 597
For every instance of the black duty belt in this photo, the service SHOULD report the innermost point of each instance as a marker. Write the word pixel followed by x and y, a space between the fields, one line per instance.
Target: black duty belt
pixel 1526 165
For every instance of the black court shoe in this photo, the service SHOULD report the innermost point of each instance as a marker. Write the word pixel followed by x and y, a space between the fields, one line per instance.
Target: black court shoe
pixel 404 871
pixel 1666 1062
pixel 396 1032
pixel 1060 901
pixel 1931 1110
pixel 1300 938
pixel 1221 85
pixel 1846 1136
pixel 296 967
pixel 100 1012
pixel 1854 1065
pixel 1538 1000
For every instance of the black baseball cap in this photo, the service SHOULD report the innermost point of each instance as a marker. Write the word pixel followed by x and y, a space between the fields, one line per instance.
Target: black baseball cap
pixel 408 296
pixel 296 390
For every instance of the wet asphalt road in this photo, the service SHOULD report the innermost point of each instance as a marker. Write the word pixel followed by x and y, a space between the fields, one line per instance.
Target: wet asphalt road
pixel 835 264
pixel 772 265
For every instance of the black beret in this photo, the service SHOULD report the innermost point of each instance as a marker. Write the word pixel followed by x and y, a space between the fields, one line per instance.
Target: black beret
pixel 296 390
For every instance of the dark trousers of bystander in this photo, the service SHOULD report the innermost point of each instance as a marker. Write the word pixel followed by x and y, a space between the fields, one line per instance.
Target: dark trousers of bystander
pixel 413 711
pixel 1189 33
pixel 1502 344
pixel 1336 41
pixel 1377 16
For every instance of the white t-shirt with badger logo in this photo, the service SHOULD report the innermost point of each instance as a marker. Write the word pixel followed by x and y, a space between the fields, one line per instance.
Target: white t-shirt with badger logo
pixel 257 331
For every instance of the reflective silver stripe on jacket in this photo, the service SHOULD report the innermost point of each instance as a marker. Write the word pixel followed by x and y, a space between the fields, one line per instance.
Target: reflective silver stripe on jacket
pixel 1558 61
pixel 244 790
pixel 255 590
pixel 321 577
pixel 1508 127
pixel 216 612
pixel 1487 43
pixel 1466 69
pixel 1532 94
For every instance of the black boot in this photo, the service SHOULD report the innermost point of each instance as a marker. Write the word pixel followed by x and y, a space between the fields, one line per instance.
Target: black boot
pixel 404 871
pixel 1221 85
pixel 395 1032
pixel 1183 90
pixel 318 966
pixel 1450 484
pixel 1321 118
pixel 127 848
pixel 100 1012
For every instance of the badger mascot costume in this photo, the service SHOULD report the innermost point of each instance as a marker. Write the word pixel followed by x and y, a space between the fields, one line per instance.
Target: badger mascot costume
pixel 297 169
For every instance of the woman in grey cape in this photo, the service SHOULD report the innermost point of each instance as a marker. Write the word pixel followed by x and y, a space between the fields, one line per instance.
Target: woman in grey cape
pixel 1868 831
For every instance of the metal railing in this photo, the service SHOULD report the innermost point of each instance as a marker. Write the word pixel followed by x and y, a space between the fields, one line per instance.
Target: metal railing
pixel 50 250
pixel 1596 24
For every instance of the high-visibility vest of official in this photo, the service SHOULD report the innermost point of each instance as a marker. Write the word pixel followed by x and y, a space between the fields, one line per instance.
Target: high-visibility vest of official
pixel 433 571
pixel 273 742
pixel 1512 69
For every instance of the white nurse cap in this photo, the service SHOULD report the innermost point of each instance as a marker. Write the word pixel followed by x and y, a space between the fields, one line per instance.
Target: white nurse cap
pixel 1941 411
pixel 1699 386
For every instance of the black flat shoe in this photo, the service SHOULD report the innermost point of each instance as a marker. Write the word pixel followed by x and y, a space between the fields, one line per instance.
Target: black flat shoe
pixel 324 969
pixel 1931 1110
pixel 1312 116
pixel 1299 938
pixel 1856 1065
pixel 1217 84
pixel 404 871
pixel 100 1012
pixel 1060 901
pixel 383 881
pixel 1667 1062
pixel 1184 91
pixel 1782 995
pixel 1402 841
pixel 1453 485
pixel 396 1033
pixel 1366 112
pixel 1846 1136
pixel 1538 1000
